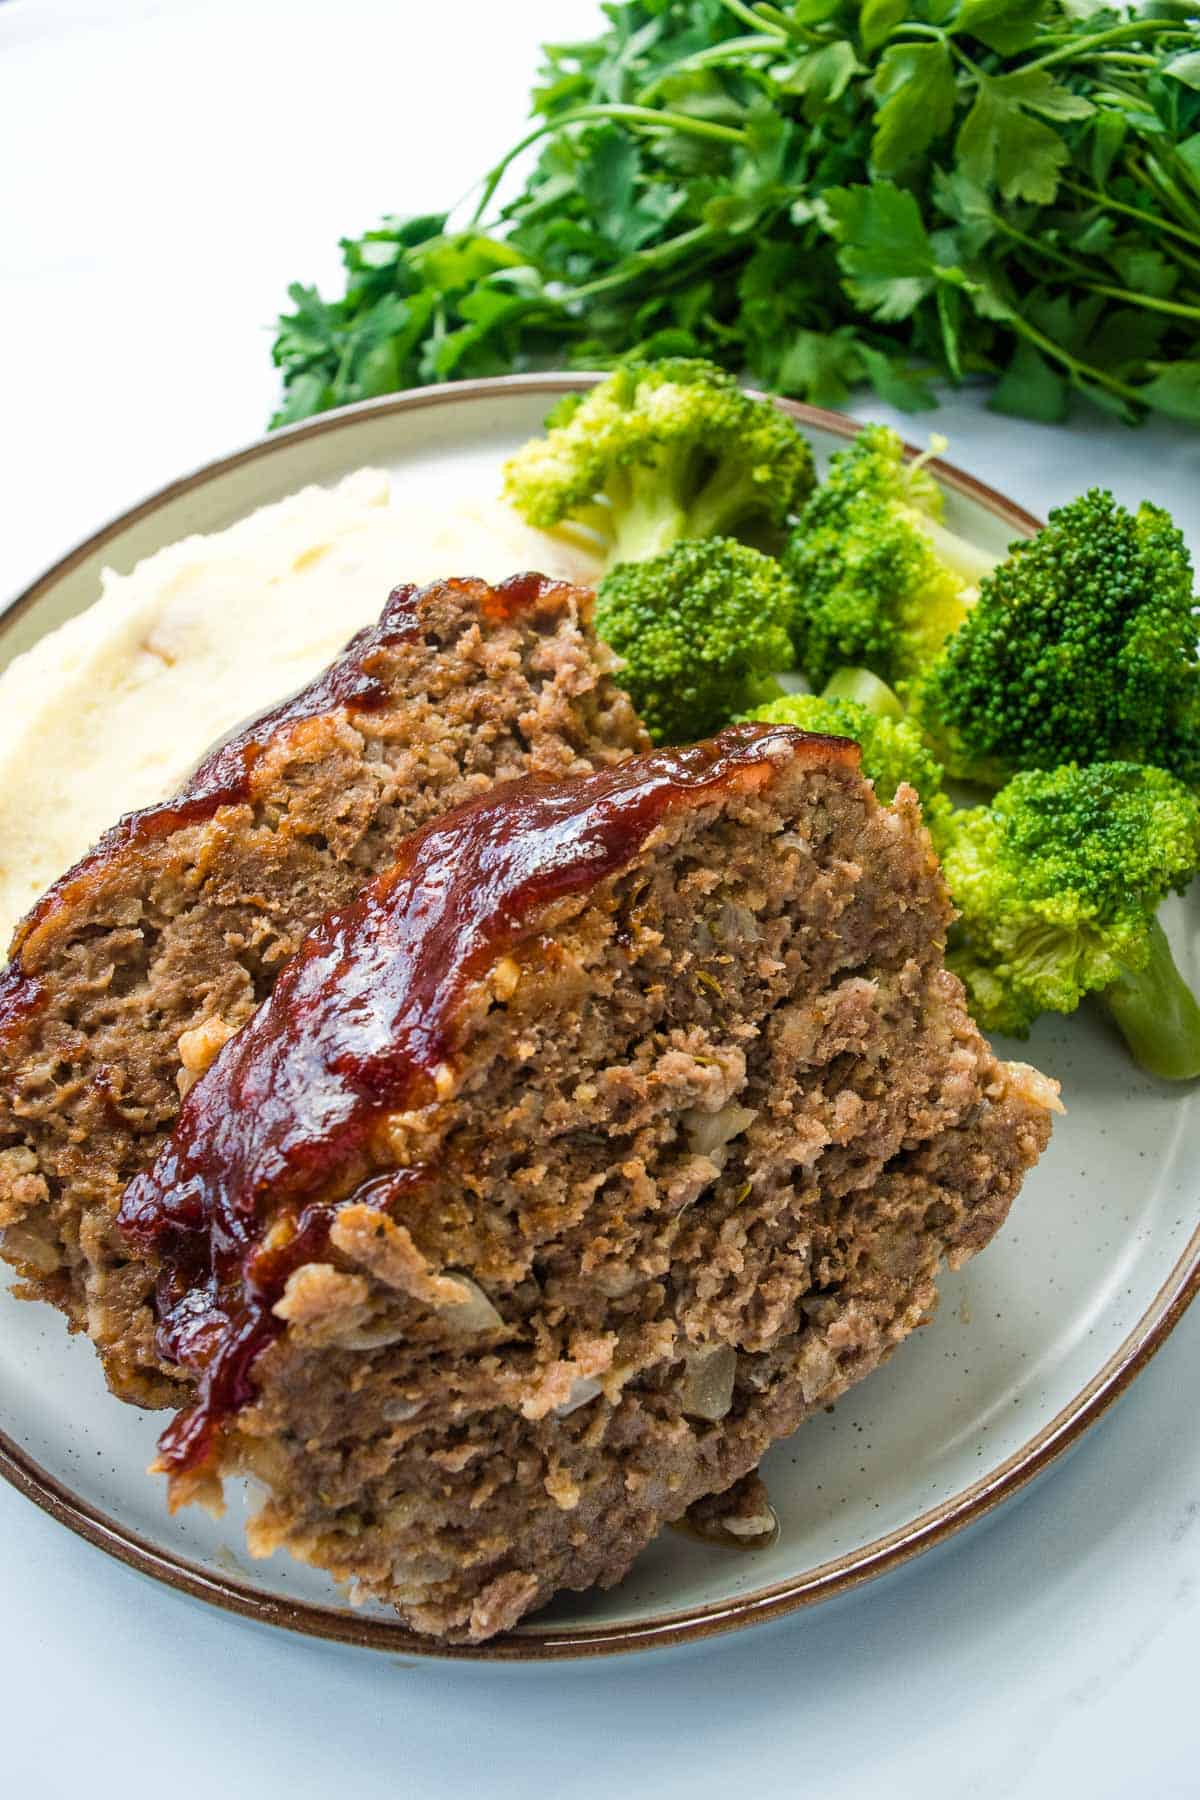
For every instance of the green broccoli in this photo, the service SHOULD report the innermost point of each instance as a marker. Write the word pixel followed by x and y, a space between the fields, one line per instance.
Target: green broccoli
pixel 699 630
pixel 1057 885
pixel 659 452
pixel 866 690
pixel 892 749
pixel 881 581
pixel 1081 648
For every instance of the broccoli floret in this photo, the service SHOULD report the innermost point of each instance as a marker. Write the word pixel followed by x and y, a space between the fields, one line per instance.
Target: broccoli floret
pixel 699 631
pixel 892 749
pixel 662 451
pixel 881 581
pixel 1081 648
pixel 1057 885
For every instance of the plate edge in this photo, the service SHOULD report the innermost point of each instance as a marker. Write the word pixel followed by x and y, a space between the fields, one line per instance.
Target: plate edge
pixel 870 1560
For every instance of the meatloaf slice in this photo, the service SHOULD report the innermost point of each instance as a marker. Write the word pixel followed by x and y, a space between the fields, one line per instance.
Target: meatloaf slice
pixel 135 967
pixel 619 1125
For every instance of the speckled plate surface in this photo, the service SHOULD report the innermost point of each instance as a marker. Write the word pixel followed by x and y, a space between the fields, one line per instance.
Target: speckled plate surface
pixel 1033 1340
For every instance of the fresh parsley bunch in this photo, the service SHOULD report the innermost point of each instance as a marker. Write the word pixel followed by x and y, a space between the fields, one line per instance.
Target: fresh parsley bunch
pixel 817 194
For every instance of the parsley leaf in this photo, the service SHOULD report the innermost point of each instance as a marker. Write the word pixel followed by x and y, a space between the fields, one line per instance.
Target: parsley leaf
pixel 1000 143
pixel 821 77
pixel 877 19
pixel 886 256
pixel 1185 68
pixel 1030 388
pixel 916 84
pixel 1175 390
pixel 1003 25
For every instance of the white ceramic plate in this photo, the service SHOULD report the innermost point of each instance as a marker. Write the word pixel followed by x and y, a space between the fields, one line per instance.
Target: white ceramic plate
pixel 1032 1341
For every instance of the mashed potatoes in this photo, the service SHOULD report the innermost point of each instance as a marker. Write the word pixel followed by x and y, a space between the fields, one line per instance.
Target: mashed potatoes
pixel 115 708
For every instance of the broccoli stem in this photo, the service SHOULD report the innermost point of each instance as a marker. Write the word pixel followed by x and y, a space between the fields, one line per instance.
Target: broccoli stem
pixel 649 527
pixel 864 689
pixel 967 560
pixel 724 500
pixel 1157 1014
pixel 649 517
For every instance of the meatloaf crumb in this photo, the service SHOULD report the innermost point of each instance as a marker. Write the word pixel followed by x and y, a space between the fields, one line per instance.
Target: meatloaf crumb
pixel 622 1124
pixel 130 974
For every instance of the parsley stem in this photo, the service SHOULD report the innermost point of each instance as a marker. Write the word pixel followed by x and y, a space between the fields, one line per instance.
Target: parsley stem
pixel 640 261
pixel 1132 212
pixel 961 56
pixel 750 15
pixel 729 49
pixel 1128 96
pixel 1130 59
pixel 1151 300
pixel 582 115
pixel 1079 49
pixel 1157 178
pixel 1080 270
pixel 1187 174
pixel 771 15
pixel 1040 247
pixel 1081 371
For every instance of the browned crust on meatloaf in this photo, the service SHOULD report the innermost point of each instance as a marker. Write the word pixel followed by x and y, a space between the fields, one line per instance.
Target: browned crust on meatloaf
pixel 694 1142
pixel 128 975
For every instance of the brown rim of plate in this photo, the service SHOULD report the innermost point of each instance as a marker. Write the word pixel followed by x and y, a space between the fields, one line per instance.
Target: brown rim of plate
pixel 531 1644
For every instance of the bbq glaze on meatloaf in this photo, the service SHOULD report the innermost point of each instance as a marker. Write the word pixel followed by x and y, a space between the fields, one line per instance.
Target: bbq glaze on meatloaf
pixel 130 973
pixel 618 1126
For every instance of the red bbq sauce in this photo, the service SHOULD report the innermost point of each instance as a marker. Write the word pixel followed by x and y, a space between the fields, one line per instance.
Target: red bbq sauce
pixel 352 682
pixel 223 778
pixel 20 997
pixel 357 1025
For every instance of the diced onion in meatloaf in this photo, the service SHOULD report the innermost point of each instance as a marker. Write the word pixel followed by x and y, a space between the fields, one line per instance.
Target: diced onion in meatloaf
pixel 664 1062
pixel 135 968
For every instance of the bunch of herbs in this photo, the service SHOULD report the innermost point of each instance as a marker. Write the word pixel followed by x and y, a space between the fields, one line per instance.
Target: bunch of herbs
pixel 816 195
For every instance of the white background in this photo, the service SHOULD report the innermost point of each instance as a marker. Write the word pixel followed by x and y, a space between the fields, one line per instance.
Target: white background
pixel 165 170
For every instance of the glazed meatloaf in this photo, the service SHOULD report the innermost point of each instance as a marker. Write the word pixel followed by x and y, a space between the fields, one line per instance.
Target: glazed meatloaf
pixel 137 965
pixel 618 1126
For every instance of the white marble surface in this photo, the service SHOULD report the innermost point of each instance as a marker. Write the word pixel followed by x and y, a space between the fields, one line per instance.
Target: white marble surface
pixel 167 168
